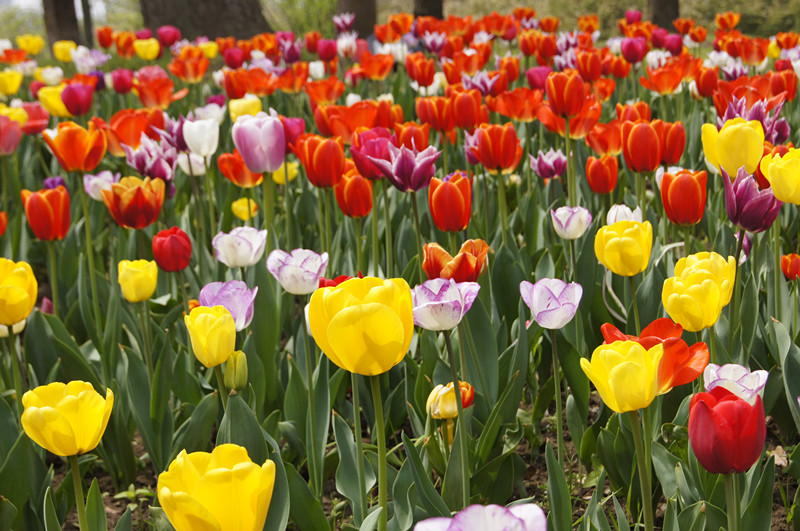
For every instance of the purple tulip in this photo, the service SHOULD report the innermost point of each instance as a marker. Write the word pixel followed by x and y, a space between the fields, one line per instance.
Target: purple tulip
pixel 747 245
pixel 470 142
pixel 633 49
pixel 94 184
pixel 173 133
pixel 153 159
pixel 537 76
pixel 441 303
pixel 529 23
pixel 291 50
pixel 434 41
pixel 549 165
pixel 219 99
pixel 553 302
pixel 736 379
pixel 54 182
pixel 408 170
pixel 241 247
pixel 749 208
pixel 261 141
pixel 372 143
pixel 522 517
pixel 570 222
pixel 297 272
pixel 233 295
pixel 344 22
pixel 734 70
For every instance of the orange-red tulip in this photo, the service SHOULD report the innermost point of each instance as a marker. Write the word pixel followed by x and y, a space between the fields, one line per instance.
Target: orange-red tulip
pixel 420 68
pixel 354 194
pixel 727 21
pixel 47 212
pixel 124 41
pixel 235 170
pixel 135 203
pixel 375 67
pixel 467 109
pixel 605 139
pixel 633 112
pixel 497 147
pixel 125 127
pixel 705 80
pixel 589 65
pixel 790 264
pixel 664 80
pixel 641 146
pixel 565 93
pixel 579 125
pixel 76 148
pixel 437 112
pixel 698 34
pixel 322 158
pixel 293 78
pixel 601 174
pixel 603 89
pixel 787 40
pixel 324 91
pixel 450 201
pixel 155 88
pixel 588 23
pixel 672 138
pixel 684 196
pixel 413 135
pixel 618 67
pixel 190 66
pixel 343 121
pixel 683 25
pixel 466 266
pixel 105 36
pixel 519 104
pixel 3 222
pixel 548 24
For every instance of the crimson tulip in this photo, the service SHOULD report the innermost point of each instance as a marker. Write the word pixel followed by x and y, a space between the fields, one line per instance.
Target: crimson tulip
pixel 172 249
pixel 77 98
pixel 3 222
pixel 47 212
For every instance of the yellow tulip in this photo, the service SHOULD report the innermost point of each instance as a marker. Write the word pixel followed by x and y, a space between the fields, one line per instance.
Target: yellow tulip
pixel 739 143
pixel 18 290
pixel 17 114
pixel 66 419
pixel 50 98
pixel 783 174
pixel 364 325
pixel 32 44
pixel 222 490
pixel 137 278
pixel 624 247
pixel 62 50
pixel 279 175
pixel 237 108
pixel 210 49
pixel 625 374
pixel 244 208
pixel 773 50
pixel 10 81
pixel 147 49
pixel 213 334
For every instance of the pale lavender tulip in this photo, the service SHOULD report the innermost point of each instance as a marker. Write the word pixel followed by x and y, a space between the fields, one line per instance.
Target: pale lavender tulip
pixel 736 379
pixel 297 272
pixel 553 302
pixel 94 184
pixel 241 247
pixel 549 165
pixel 233 295
pixel 261 141
pixel 570 222
pixel 441 303
pixel 522 517
pixel 408 170
pixel 434 41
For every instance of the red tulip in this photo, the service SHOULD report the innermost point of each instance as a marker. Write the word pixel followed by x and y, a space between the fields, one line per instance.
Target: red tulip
pixel 497 147
pixel 3 222
pixel 354 194
pixel 38 118
pixel 601 174
pixel 10 135
pixel 565 93
pixel 322 158
pixel 450 201
pixel 47 212
pixel 790 265
pixel 672 137
pixel 172 249
pixel 684 196
pixel 77 98
pixel 641 146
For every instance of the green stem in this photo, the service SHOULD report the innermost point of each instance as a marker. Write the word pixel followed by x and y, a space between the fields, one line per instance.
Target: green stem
pixel 527 155
pixel 148 355
pixel 486 203
pixel 359 246
pixel 501 204
pixel 462 349
pixel 644 466
pixel 223 392
pixel 572 184
pixel 377 402
pixel 451 236
pixel 362 482
pixel 462 424
pixel 321 218
pixel 182 287
pixel 687 239
pixel 288 210
pixel 315 475
pixel 248 194
pixel 640 195
pixel 4 191
pixel 733 316
pixel 557 393
pixel 732 500
pixel 374 216
pixel 326 203
pixel 573 274
pixel 90 255
pixel 212 216
pixel 776 244
pixel 444 154
pixel 268 200
pixel 77 484
pixel 16 367
pixel 635 305
pixel 418 228
pixel 51 251
pixel 388 220
pixel 201 225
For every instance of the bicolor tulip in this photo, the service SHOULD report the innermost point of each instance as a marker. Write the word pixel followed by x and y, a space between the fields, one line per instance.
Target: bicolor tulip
pixel 364 325
pixel 232 491
pixel 466 266
pixel 125 127
pixel 135 203
pixel 450 201
pixel 672 138
pixel 790 265
pixel 212 331
pixel 519 104
pixel 684 196
pixel 322 158
pixel 241 247
pixel 570 222
pixel 354 194
pixel 440 304
pixel 260 140
pixel 749 207
pixel 602 173
pixel 76 148
pixel 172 249
pixel 297 272
pixel 641 146
pixel 18 291
pixel 367 144
pixel 624 247
pixel 235 296
pixel 738 144
pixel 497 147
pixel 436 111
pixel 549 165
pixel 441 403
pixel 66 418
pixel 38 118
pixel 553 302
pixel 522 517
pixel 137 279
pixel 407 169
pixel 412 135
pixel 94 185
pixel 47 212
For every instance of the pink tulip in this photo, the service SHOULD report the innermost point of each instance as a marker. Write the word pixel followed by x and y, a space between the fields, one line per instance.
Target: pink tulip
pixel 77 98
pixel 168 35
pixel 38 118
pixel 261 141
pixel 10 135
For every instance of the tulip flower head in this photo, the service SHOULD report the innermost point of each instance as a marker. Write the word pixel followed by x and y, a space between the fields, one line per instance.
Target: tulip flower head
pixel 570 222
pixel 522 517
pixel 212 331
pixel 76 148
pixel 297 272
pixel 738 144
pixel 549 165
pixel 137 278
pixel 553 302
pixel 450 201
pixel 684 196
pixel 95 184
pixel 407 169
pixel 790 265
pixel 47 212
pixel 497 147
pixel 440 304
pixel 602 173
pixel 441 403
pixel 201 136
pixel 235 296
pixel 241 247
pixel 624 247
pixel 135 203
pixel 172 249
pixel 18 291
pixel 749 207
pixel 783 174
pixel 737 379
pixel 354 194
pixel 623 213
pixel 261 141
pixel 466 266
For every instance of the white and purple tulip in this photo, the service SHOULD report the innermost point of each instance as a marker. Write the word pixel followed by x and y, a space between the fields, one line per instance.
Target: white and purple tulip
pixel 570 223
pixel 440 303
pixel 553 302
pixel 241 247
pixel 522 517
pixel 297 272
pixel 233 295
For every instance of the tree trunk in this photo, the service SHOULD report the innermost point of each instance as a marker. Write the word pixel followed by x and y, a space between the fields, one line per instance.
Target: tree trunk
pixel 212 18
pixel 61 21
pixel 429 8
pixel 366 15
pixel 663 12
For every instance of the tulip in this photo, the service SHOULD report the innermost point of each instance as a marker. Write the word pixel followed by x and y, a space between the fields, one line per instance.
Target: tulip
pixel 570 222
pixel 522 517
pixel 440 304
pixel 322 158
pixel 552 302
pixel 408 170
pixel 783 174
pixel 122 80
pixel 77 98
pixel 466 266
pixel 234 169
pixel 135 203
pixel 641 146
pixel 601 174
pixel 364 325
pixel 76 148
pixel 297 272
pixel 701 287
pixel 371 143
pixel 18 291
pixel 549 165
pixel 47 212
pixel 565 93
pixel 137 278
pixel 38 118
pixel 623 213
pixel 241 247
pixel 260 140
pixel 244 208
pixel 748 207
pixel 62 50
pixel 235 296
pixel 727 433
pixel 95 184
pixel 50 98
pixel 450 201
pixel 287 169
pixel 497 147
pixel 10 81
pixel 354 194
pixel 32 44
pixel 625 374
pixel 66 419
pixel 467 109
pixel 790 265
pixel 3 222
pixel 624 247
pixel 233 491
pixel 212 331
pixel 738 144
pixel 672 138
pixel 172 249
pixel 436 111
pixel 201 136
pixel 737 379
pixel 10 135
pixel 441 403
pixel 147 49
pixel 684 196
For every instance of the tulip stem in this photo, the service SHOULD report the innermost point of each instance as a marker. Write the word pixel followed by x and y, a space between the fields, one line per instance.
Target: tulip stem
pixel 288 210
pixel 572 184
pixel 501 204
pixel 90 255
pixel 201 224
pixel 223 393
pixel 359 247
pixel 248 193
pixel 453 243
pixel 638 181
pixel 212 217
pixel 733 316
pixel 77 484
pixel 321 220
pixel 182 287
pixel 644 470
pixel 635 306
pixel 362 482
pixel 148 355
pixel 732 500
pixel 51 251
pixel 418 228
pixel 444 154
pixel 16 367
pixel 462 428
pixel 314 473
pixel 327 204
pixel 776 244
pixel 462 348
pixel 374 217
pixel 557 393
pixel 268 200
pixel 486 203
pixel 375 382
pixel 388 220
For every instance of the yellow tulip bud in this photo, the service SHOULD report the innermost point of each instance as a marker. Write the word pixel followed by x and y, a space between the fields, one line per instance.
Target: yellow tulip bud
pixel 783 174
pixel 221 490
pixel 625 374
pixel 364 325
pixel 18 290
pixel 62 50
pixel 213 334
pixel 10 81
pixel 244 208
pixel 210 49
pixel 17 114
pixel 624 247
pixel 236 371
pixel 441 403
pixel 137 278
pixel 739 143
pixel 245 105
pixel 66 419
pixel 279 175
pixel 32 44
pixel 701 288
pixel 147 49
pixel 50 98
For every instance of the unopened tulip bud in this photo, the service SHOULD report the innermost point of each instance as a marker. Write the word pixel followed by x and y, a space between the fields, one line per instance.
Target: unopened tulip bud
pixel 236 371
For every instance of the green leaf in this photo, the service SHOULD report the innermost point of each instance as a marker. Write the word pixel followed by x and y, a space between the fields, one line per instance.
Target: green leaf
pixel 454 482
pixel 622 520
pixel 195 433
pixel 371 522
pixel 8 513
pixel 664 463
pixel 305 509
pixel 347 471
pixel 239 426
pixel 21 475
pixel 757 514
pixel 593 513
pixel 267 334
pixel 125 522
pixel 431 501
pixel 700 516
pixel 51 522
pixel 139 398
pixel 560 516
pixel 278 514
pixel 671 517
pixel 95 511
pixel 482 355
pixel 488 437
pixel 401 496
pixel 780 343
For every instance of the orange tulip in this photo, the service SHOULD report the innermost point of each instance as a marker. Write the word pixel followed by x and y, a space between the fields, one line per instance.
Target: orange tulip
pixel 235 170
pixel 588 23
pixel 787 40
pixel 509 64
pixel 579 125
pixel 684 196
pixel 190 66
pixel 603 89
pixel 125 127
pixel 783 82
pixel 375 67
pixel 354 194
pixel 124 41
pixel 254 81
pixel 601 174
pixel 399 24
pixel 47 212
pixel 466 266
pixel 548 24
pixel 293 78
pixel 468 111
pixel 619 67
pixel 519 104
pixel 342 121
pixel 437 112
pixel 420 68
pixel 528 41
pixel 639 110
pixel 76 148
pixel 664 80
pixel 497 147
pixel 698 34
pixel 450 201
pixel 754 51
pixel 790 265
pixel 520 13
pixel 727 21
pixel 155 88
pixel 605 139
pixel 413 135
pixel 387 114
pixel 672 138
pixel 135 203
pixel 565 93
pixel 322 158
pixel 683 25
pixel 324 91
pixel 589 65
pixel 462 63
pixel 641 146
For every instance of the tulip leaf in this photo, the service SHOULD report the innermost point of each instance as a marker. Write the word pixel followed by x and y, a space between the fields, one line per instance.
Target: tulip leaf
pixel 38 346
pixel 506 276
pixel 195 433
pixel 402 497
pixel 488 437
pixel 622 519
pixel 239 426
pixel 74 365
pixel 664 463
pixel 9 430
pixel 317 433
pixel 95 511
pixel 757 514
pixel 139 398
pixel 267 334
pixel 482 359
pixel 431 501
pixel 702 515
pixel 594 518
pixel 278 515
pixel 125 522
pixel 295 400
pixel 347 471
pixel 454 483
pixel 51 522
pixel 560 516
pixel 671 517
pixel 22 474
pixel 576 421
pixel 8 512
pixel 371 521
pixel 305 509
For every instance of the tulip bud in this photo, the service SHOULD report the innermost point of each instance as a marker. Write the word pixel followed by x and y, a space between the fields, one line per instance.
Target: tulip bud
pixel 236 371
pixel 137 278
